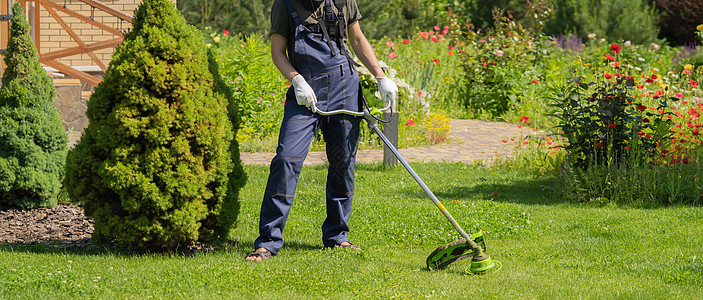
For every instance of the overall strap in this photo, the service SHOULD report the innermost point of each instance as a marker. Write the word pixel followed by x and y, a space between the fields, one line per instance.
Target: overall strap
pixel 342 27
pixel 331 18
pixel 293 13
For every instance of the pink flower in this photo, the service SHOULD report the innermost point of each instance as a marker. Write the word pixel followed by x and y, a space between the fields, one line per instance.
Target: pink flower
pixel 499 53
pixel 424 35
pixel 436 28
pixel 225 32
pixel 406 41
pixel 436 61
pixel 392 55
pixel 409 122
pixel 389 44
pixel 687 72
pixel 679 95
pixel 693 83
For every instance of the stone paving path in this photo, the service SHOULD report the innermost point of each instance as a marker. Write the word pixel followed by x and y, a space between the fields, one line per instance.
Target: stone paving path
pixel 469 140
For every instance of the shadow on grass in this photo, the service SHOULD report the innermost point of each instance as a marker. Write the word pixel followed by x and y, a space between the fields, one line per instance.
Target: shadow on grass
pixel 527 192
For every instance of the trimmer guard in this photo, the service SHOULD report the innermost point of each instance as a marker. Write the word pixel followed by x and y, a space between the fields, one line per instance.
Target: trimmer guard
pixel 446 254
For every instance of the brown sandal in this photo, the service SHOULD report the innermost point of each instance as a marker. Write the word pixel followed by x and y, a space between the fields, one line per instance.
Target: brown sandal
pixel 265 254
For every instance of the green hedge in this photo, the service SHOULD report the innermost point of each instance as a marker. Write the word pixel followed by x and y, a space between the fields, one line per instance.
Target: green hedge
pixel 33 143
pixel 157 166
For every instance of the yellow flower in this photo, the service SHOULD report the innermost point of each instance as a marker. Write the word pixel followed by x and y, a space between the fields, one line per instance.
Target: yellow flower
pixel 216 39
pixel 699 27
pixel 689 66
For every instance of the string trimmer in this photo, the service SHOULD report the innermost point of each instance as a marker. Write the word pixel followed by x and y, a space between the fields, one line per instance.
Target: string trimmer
pixel 470 246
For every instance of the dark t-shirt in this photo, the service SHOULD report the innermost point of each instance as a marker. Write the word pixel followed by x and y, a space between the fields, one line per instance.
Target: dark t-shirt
pixel 282 23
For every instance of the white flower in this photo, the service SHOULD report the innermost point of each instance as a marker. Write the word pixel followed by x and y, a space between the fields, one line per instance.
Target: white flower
pixel 628 43
pixel 591 35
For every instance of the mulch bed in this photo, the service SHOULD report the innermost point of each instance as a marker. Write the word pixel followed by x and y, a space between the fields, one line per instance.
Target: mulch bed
pixel 64 226
pixel 67 227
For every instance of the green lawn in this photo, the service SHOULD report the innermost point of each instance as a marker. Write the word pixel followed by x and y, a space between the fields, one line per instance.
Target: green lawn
pixel 549 249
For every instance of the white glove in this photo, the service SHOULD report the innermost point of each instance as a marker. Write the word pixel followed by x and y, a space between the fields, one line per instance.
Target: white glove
pixel 387 88
pixel 304 93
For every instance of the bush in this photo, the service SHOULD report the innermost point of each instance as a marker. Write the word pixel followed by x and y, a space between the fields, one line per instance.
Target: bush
pixel 33 143
pixel 614 20
pixel 157 165
pixel 679 19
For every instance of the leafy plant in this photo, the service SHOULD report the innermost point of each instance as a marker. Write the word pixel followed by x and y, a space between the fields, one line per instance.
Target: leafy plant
pixel 33 143
pixel 603 122
pixel 157 165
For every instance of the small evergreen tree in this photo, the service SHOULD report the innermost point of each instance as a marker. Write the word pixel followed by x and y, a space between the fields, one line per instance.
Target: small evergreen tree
pixel 157 165
pixel 33 143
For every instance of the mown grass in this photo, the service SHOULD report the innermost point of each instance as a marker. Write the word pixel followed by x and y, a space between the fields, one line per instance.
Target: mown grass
pixel 549 248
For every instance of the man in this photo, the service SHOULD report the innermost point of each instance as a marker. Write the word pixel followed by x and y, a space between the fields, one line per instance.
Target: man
pixel 308 46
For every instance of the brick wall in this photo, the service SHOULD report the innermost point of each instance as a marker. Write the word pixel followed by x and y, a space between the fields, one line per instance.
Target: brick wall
pixel 54 37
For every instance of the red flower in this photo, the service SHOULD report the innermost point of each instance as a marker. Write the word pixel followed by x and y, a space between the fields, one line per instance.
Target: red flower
pixel 451 47
pixel 406 41
pixel 409 122
pixel 600 144
pixel 641 107
pixel 609 57
pixel 535 81
pixel 693 83
pixel 685 161
pixel 525 119
pixel 608 76
pixel 225 32
pixel 616 64
pixel 389 44
pixel 612 126
pixel 627 147
pixel 615 48
pixel 645 120
pixel 436 61
pixel 495 194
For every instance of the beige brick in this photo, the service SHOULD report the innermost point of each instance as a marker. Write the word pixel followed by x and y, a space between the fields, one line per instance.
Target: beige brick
pixel 60 38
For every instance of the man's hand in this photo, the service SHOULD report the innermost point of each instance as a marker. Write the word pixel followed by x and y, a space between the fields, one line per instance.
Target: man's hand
pixel 304 93
pixel 387 88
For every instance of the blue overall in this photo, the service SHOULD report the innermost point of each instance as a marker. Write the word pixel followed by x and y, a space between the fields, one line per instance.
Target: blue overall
pixel 336 85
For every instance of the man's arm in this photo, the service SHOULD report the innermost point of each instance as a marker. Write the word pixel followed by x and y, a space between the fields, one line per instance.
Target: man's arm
pixel 363 50
pixel 279 57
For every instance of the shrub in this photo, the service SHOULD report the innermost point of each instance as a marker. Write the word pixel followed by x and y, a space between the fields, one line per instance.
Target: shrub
pixel 613 20
pixel 679 19
pixel 157 165
pixel 33 143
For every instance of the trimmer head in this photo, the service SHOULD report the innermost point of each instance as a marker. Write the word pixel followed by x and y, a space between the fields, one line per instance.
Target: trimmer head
pixel 458 250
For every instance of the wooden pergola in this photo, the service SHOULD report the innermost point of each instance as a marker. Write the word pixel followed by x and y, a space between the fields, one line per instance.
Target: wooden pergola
pixel 33 9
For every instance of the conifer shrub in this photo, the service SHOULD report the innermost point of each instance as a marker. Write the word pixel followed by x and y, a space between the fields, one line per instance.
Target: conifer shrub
pixel 33 142
pixel 157 166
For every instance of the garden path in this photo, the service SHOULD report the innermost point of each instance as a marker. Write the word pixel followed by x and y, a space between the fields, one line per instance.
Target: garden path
pixel 469 140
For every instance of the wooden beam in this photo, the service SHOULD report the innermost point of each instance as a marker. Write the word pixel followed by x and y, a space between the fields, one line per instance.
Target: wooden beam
pixel 78 50
pixel 4 31
pixel 76 38
pixel 92 80
pixel 101 6
pixel 37 27
pixel 48 3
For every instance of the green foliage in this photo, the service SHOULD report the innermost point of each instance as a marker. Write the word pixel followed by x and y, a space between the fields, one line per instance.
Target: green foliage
pixel 238 16
pixel 615 20
pixel 603 122
pixel 498 66
pixel 157 166
pixel 33 143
